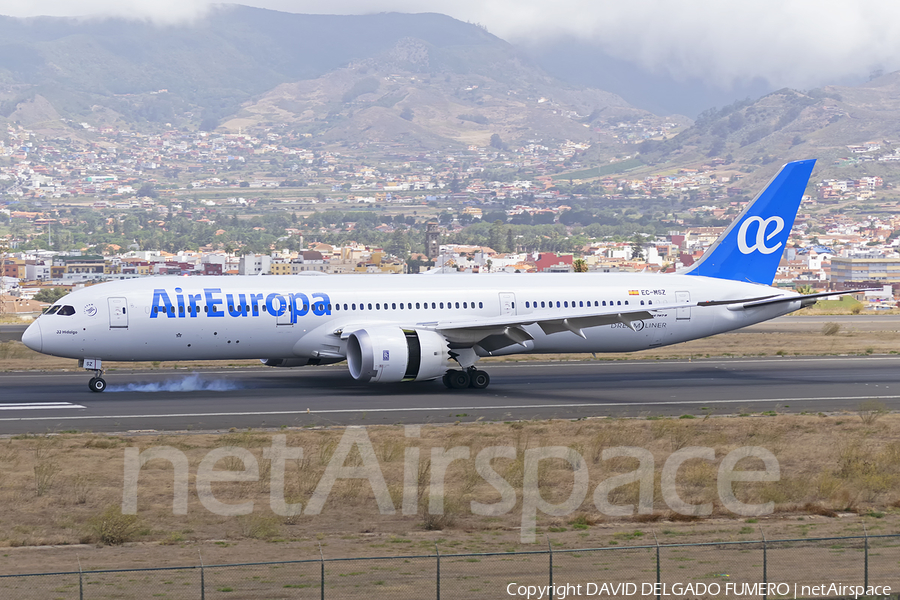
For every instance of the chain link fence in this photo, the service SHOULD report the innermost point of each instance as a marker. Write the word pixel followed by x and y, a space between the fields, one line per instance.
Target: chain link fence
pixel 748 569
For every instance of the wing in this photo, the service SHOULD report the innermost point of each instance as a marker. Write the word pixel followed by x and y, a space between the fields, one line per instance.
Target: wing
pixel 493 333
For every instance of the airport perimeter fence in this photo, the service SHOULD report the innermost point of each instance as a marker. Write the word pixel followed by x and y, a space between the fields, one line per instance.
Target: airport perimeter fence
pixel 870 560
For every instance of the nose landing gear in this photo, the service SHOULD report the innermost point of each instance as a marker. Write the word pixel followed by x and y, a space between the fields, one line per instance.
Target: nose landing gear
pixel 97 383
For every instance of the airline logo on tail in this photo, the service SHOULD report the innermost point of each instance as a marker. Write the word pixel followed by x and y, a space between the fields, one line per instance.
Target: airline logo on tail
pixel 750 249
pixel 761 236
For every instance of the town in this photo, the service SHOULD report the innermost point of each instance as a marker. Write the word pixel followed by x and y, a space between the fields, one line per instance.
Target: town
pixel 116 204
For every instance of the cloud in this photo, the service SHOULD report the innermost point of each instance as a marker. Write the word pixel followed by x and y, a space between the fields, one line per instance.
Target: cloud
pixel 796 43
pixel 163 12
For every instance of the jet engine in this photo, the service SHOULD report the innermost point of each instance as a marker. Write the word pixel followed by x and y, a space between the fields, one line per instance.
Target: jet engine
pixel 388 354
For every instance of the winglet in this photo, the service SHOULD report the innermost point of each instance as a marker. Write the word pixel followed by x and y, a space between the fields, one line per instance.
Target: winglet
pixel 752 246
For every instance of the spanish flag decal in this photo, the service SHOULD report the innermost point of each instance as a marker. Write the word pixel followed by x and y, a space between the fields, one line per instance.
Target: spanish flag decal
pixel 633 293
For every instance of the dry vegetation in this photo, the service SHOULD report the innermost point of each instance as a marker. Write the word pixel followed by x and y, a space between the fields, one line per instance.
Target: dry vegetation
pixel 67 488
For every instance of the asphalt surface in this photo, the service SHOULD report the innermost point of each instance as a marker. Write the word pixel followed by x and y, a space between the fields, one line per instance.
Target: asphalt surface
pixel 10 333
pixel 266 397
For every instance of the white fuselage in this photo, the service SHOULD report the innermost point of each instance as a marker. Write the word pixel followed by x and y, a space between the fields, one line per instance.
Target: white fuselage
pixel 207 318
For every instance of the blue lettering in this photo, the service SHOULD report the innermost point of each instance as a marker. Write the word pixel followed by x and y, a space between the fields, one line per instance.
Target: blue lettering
pixel 254 303
pixel 180 298
pixel 239 309
pixel 193 298
pixel 161 302
pixel 301 305
pixel 211 302
pixel 323 307
pixel 282 304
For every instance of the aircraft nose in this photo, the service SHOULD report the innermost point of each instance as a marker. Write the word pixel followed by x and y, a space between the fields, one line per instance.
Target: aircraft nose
pixel 32 337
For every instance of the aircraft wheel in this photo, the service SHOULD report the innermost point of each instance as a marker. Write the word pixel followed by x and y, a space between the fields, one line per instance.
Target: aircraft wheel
pixel 479 380
pixel 446 380
pixel 97 384
pixel 459 380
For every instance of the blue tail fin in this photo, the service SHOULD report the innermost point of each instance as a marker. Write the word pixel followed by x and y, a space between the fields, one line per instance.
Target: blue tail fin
pixel 751 248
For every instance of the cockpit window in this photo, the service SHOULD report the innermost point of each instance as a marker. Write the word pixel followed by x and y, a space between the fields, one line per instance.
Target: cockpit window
pixel 52 309
pixel 66 311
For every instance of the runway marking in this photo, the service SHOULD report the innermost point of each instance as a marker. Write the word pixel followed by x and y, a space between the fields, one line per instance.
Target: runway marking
pixel 451 408
pixel 39 405
pixel 238 371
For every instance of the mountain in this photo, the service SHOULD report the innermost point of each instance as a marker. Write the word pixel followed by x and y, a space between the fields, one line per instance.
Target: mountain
pixel 389 76
pixel 586 63
pixel 412 94
pixel 851 130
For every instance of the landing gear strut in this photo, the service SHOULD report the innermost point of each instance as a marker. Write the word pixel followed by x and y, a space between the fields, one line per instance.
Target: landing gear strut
pixel 471 377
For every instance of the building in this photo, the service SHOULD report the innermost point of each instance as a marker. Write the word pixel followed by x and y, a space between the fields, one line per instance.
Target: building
pixel 849 273
pixel 252 264
pixel 432 240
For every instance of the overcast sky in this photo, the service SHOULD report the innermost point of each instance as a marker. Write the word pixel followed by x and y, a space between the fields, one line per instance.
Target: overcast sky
pixel 794 43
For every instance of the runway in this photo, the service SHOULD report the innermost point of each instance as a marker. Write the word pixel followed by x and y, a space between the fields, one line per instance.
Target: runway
pixel 273 398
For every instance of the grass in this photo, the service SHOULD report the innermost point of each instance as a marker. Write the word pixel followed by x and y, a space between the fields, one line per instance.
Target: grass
pixel 829 465
pixel 608 169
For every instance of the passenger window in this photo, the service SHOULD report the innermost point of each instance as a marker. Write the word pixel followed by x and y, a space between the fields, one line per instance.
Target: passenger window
pixel 155 311
pixel 604 303
pixel 433 305
pixel 393 305
pixel 649 301
pixel 66 311
pixel 329 306
pixel 527 305
pixel 457 305
pixel 377 306
pixel 542 304
pixel 417 305
pixel 557 304
pixel 480 305
pixel 620 303
pixel 442 305
pixel 626 303
pixel 566 304
pixel 465 305
pixel 370 306
pixel 580 303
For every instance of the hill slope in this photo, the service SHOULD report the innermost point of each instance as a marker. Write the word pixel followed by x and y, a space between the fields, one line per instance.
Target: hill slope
pixel 109 70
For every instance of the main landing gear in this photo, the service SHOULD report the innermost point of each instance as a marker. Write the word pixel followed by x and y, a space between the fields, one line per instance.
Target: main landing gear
pixel 455 379
pixel 97 383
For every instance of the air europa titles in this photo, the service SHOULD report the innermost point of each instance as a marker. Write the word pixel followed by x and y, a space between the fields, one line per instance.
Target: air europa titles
pixel 212 302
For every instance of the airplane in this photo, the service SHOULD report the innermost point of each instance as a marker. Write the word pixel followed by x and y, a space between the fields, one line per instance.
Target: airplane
pixel 427 327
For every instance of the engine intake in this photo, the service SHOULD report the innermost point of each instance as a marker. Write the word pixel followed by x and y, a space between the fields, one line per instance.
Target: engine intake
pixel 389 354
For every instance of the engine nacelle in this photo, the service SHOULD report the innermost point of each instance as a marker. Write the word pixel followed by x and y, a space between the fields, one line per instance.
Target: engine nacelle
pixel 285 362
pixel 388 354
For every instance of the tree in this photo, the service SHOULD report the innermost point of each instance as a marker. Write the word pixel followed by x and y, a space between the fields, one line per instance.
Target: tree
pixel 497 143
pixel 148 190
pixel 50 295
pixel 407 113
pixel 637 247
pixel 579 266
